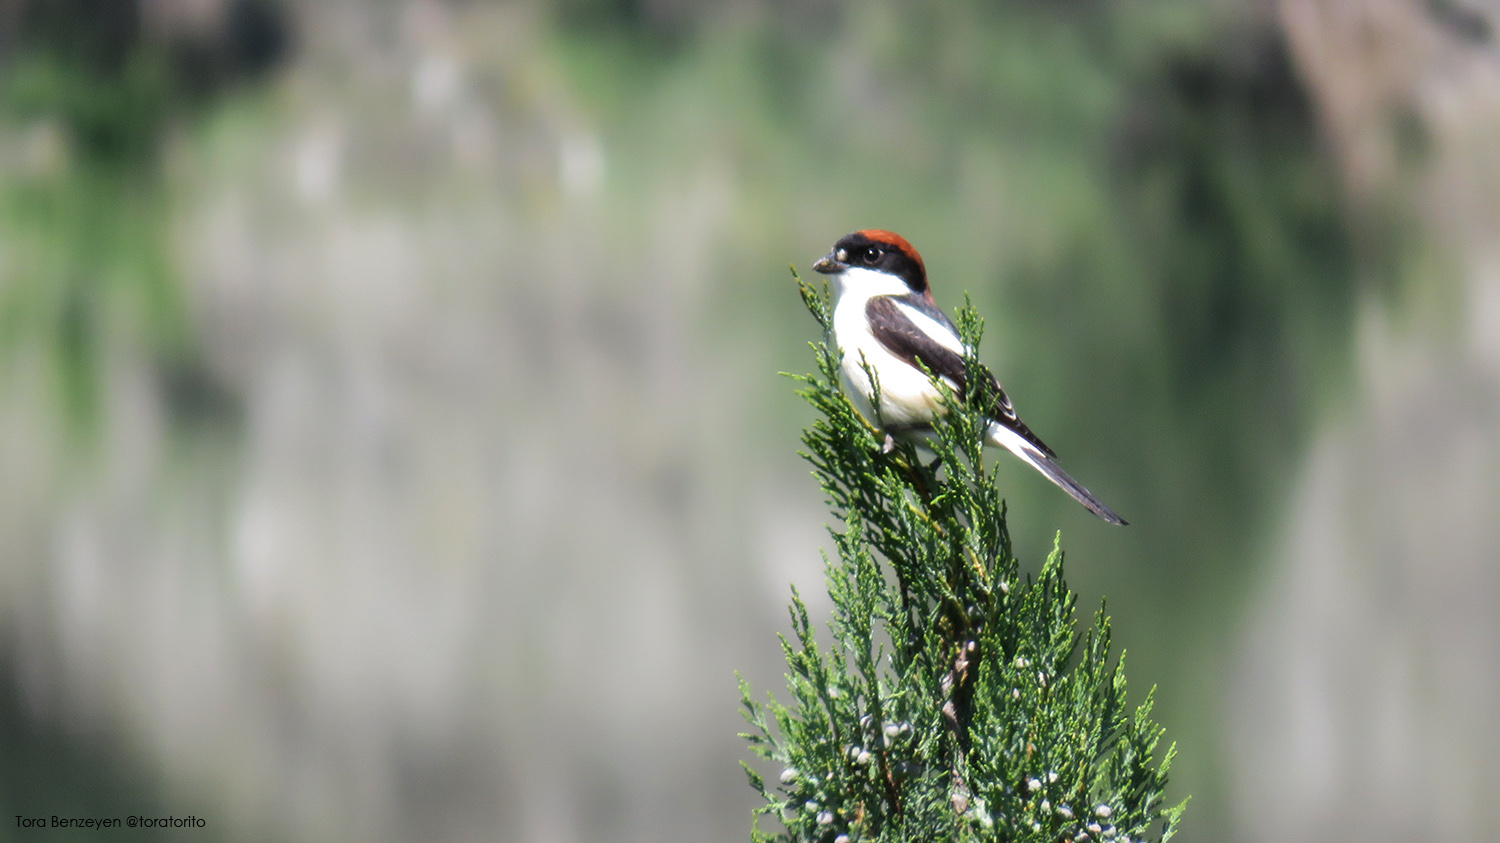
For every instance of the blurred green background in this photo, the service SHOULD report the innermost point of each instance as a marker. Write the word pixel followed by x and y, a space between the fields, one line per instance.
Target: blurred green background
pixel 391 445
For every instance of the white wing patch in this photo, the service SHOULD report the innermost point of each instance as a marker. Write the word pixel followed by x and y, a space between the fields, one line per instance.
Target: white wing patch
pixel 940 333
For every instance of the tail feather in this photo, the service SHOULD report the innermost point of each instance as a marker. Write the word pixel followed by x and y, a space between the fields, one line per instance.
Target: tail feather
pixel 1017 444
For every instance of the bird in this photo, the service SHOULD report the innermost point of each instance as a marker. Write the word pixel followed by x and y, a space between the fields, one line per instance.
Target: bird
pixel 884 317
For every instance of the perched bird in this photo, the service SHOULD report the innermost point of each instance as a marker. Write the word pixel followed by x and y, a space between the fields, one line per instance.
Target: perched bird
pixel 885 317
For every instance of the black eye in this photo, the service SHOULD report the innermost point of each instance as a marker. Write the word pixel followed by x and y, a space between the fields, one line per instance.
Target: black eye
pixel 873 254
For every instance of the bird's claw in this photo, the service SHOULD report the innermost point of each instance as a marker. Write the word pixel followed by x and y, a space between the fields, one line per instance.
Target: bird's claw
pixel 889 446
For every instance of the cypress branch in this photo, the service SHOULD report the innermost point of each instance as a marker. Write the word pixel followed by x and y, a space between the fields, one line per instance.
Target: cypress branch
pixel 957 700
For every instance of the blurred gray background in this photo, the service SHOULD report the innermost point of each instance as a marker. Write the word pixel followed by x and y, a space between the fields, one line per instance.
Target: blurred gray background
pixel 391 445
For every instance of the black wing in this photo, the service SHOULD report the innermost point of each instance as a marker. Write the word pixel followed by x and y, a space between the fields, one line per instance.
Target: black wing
pixel 901 337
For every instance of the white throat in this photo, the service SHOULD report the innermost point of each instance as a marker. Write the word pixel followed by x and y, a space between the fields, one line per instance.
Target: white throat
pixel 860 285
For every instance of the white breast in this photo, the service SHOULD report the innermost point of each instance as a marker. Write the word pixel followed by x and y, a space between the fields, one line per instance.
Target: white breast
pixel 907 396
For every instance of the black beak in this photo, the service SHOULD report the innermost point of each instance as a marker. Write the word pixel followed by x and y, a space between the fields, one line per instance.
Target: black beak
pixel 828 265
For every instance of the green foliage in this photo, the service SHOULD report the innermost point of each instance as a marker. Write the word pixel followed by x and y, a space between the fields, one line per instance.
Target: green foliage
pixel 84 222
pixel 87 98
pixel 957 701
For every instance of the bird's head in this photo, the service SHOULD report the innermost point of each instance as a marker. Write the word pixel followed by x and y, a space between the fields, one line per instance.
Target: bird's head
pixel 877 259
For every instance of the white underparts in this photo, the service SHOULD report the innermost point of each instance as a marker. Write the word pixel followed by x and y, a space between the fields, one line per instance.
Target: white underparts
pixel 907 397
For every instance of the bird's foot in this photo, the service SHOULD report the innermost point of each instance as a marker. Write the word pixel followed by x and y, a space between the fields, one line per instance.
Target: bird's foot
pixel 890 444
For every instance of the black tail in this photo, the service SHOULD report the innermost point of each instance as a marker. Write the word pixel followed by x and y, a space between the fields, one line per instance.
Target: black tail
pixel 1019 445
